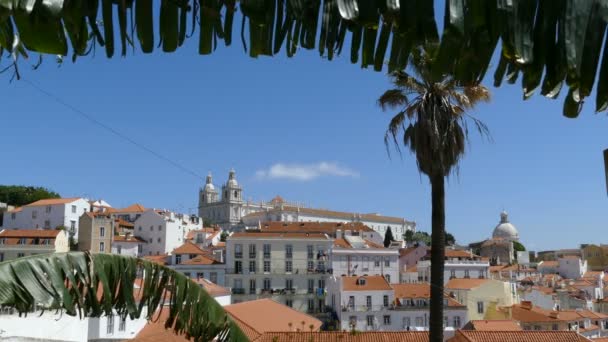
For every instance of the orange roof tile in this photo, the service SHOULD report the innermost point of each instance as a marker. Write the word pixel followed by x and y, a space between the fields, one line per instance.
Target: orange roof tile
pixel 212 289
pixel 188 248
pixel 517 336
pixel 314 227
pixel 159 259
pixel 123 223
pixel 465 284
pixel 419 290
pixel 343 243
pixel 53 201
pixel 495 325
pixel 201 260
pixel 30 233
pixel 134 208
pixel 263 315
pixel 156 332
pixel 371 283
pixel 279 235
pixel 548 264
pixel 132 239
pixel 345 336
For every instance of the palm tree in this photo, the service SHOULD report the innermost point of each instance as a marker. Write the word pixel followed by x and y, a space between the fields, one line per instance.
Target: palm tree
pixel 432 119
pixel 93 285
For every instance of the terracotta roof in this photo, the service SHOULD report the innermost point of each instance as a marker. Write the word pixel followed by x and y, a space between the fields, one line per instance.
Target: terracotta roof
pixel 412 269
pixel 464 283
pixel 457 253
pixel 188 248
pixel 372 283
pixel 495 325
pixel 314 227
pixel 279 235
pixel 134 208
pixel 220 244
pixel 30 233
pixel 548 264
pixel 53 201
pixel 123 223
pixel 419 290
pixel 543 289
pixel 201 260
pixel 159 259
pixel 156 332
pixel 527 312
pixel 345 336
pixel 262 315
pixel 131 239
pixel 212 289
pixel 517 336
pixel 343 243
pixel 407 251
pixel 16 210
pixel 192 234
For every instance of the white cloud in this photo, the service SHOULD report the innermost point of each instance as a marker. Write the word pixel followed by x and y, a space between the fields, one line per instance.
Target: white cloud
pixel 305 172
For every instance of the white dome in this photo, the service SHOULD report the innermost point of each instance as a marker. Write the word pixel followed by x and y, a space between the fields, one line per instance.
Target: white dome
pixel 209 183
pixel 232 179
pixel 505 230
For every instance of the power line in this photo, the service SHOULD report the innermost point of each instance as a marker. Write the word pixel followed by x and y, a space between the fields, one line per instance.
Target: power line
pixel 113 131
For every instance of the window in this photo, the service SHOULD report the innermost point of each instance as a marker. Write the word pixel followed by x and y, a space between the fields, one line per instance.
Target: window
pixel 47 224
pixel 311 285
pixel 238 267
pixel 122 325
pixel 310 251
pixel 311 265
pixel 238 284
pixel 72 226
pixel 466 274
pixel 387 262
pixel 252 266
pixel 267 284
pixel 537 327
pixel 419 322
pixel 289 302
pixel 288 251
pixel 407 322
pixel 34 214
pixel 102 247
pixel 1 257
pixel 480 307
pixel 213 277
pixel 388 278
pixel 352 321
pixel 119 249
pixel 368 301
pixel 252 251
pixel 2 241
pixel 266 266
pixel 377 262
pixel 456 321
pixel 110 326
pixel 238 251
pixel 387 319
pixel 13 216
pixel 321 284
pixel 385 300
pixel 311 305
pixel 178 258
pixel 140 249
pixel 351 302
pixel 452 274
pixel 554 327
pixel 200 275
pixel 150 240
pixel 102 231
pixel 158 240
pixel 288 266
pixel 73 209
pixel 289 284
pixel 151 228
pixel 370 321
pixel 160 227
pixel 20 255
pixel 139 228
pixel 445 321
pixel 266 251
pixel 252 286
pixel 48 209
pixel 22 241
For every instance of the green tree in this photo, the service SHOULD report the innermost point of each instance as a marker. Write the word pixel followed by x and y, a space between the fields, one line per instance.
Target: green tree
pixel 223 236
pixel 450 240
pixel 64 281
pixel 19 195
pixel 432 122
pixel 388 237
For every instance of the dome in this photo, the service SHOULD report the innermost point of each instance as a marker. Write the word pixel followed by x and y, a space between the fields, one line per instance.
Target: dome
pixel 505 230
pixel 232 179
pixel 209 184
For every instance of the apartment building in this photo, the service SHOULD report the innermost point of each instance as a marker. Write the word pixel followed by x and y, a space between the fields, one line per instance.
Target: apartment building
pixel 198 264
pixel 332 229
pixel 481 296
pixel 16 243
pixel 128 245
pixel 459 264
pixel 290 268
pixel 164 230
pixel 370 303
pixel 48 214
pixel 96 232
pixel 353 255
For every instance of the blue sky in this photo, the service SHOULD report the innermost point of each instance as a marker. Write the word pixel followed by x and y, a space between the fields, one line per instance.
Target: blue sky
pixel 311 116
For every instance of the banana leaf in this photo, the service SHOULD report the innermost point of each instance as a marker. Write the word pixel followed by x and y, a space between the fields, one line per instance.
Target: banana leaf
pixel 92 285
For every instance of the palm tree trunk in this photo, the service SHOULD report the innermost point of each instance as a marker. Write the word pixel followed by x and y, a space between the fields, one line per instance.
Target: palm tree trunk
pixel 437 257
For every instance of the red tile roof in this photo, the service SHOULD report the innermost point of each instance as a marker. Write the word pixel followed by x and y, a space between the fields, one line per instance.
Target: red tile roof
pixel 30 233
pixel 188 248
pixel 343 243
pixel 464 283
pixel 345 336
pixel 495 325
pixel 201 260
pixel 365 283
pixel 132 239
pixel 517 336
pixel 212 289
pixel 53 201
pixel 159 259
pixel 134 208
pixel 423 290
pixel 277 235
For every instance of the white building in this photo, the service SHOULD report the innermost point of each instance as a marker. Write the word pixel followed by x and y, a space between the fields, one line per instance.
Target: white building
pixel 372 304
pixel 353 255
pixel 230 211
pixel 164 230
pixel 458 264
pixel 290 268
pixel 128 245
pixel 198 264
pixel 571 267
pixel 48 214
pixel 17 243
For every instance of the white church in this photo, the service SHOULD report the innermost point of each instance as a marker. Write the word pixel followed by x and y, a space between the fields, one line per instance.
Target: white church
pixel 232 213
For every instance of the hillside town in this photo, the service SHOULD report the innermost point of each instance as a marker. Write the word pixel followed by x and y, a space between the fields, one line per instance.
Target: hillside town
pixel 281 269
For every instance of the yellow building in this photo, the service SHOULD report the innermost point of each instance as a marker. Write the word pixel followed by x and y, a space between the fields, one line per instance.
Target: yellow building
pixel 596 256
pixel 481 296
pixel 17 243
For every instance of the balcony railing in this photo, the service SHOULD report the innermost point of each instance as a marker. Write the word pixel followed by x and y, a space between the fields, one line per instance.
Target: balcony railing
pixel 238 291
pixel 280 270
pixel 365 308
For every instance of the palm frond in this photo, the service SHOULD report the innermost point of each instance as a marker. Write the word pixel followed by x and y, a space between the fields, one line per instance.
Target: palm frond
pixel 392 98
pixel 91 285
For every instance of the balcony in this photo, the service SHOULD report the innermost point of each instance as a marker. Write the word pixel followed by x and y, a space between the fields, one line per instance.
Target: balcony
pixel 238 291
pixel 252 255
pixel 279 270
pixel 365 308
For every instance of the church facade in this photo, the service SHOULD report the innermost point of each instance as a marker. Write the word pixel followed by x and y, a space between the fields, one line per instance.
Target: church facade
pixel 227 208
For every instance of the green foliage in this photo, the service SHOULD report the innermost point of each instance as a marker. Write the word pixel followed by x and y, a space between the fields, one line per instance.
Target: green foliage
pixel 70 282
pixel 19 195
pixel 518 247
pixel 223 236
pixel 388 237
pixel 425 237
pixel 449 239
